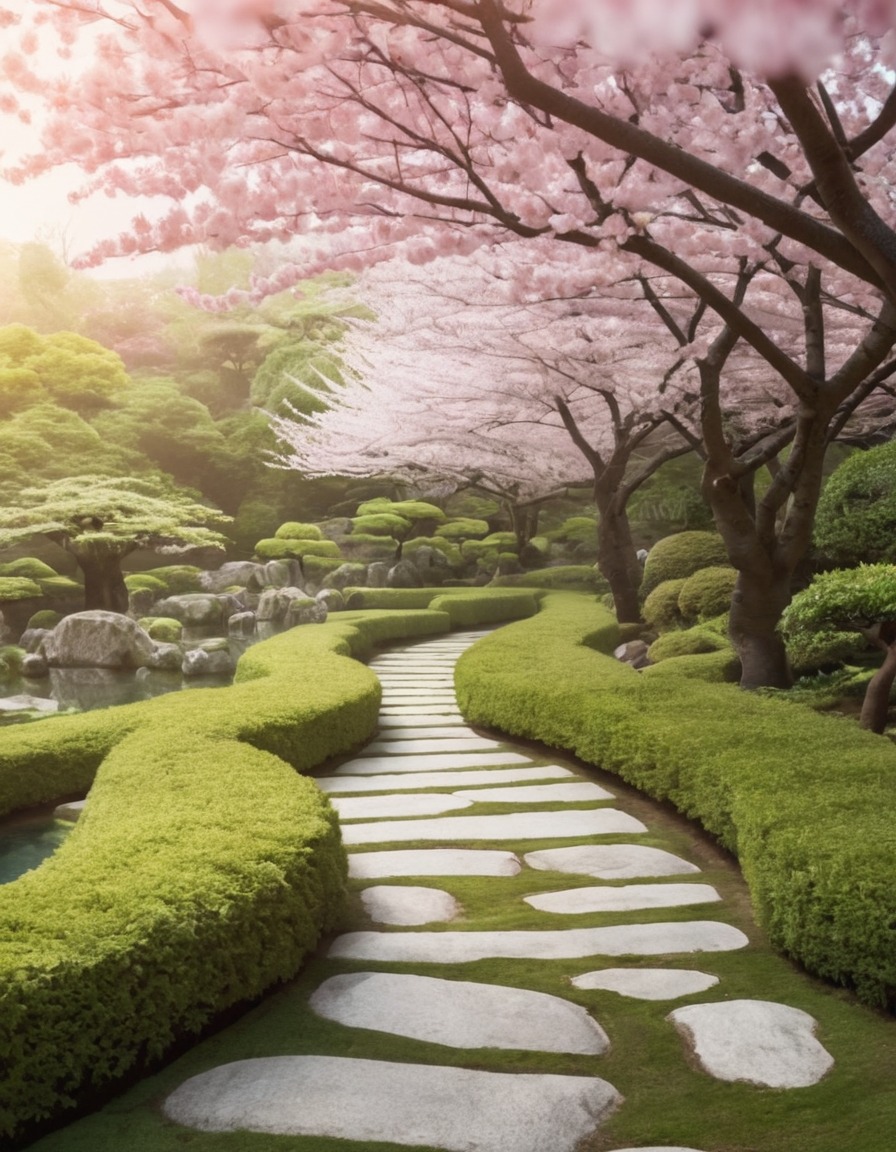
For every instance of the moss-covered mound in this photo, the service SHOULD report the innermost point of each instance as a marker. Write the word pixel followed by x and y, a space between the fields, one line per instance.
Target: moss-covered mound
pixel 804 800
pixel 679 556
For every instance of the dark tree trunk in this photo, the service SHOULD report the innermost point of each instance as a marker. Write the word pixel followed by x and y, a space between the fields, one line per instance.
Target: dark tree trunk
pixel 756 607
pixel 104 585
pixel 523 522
pixel 876 705
pixel 617 560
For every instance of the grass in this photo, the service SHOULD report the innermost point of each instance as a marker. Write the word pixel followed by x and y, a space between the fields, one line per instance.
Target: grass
pixel 668 1101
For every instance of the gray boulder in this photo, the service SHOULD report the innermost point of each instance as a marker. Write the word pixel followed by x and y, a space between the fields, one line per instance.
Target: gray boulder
pixel 332 598
pixel 304 610
pixel 242 624
pixel 196 609
pixel 199 662
pixel 238 573
pixel 19 705
pixel 282 573
pixel 32 638
pixel 336 528
pixel 404 574
pixel 166 658
pixel 35 666
pixel 140 602
pixel 633 653
pixel 377 573
pixel 97 639
pixel 347 575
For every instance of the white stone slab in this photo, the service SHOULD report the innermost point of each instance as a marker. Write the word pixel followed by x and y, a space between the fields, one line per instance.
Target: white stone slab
pixel 422 681
pixel 647 983
pixel 456 1109
pixel 610 861
pixel 754 1040
pixel 632 897
pixel 458 1013
pixel 405 710
pixel 377 765
pixel 513 826
pixel 404 804
pixel 70 811
pixel 413 780
pixel 392 904
pixel 434 744
pixel 433 862
pixel 421 720
pixel 422 732
pixel 576 793
pixel 424 691
pixel 571 943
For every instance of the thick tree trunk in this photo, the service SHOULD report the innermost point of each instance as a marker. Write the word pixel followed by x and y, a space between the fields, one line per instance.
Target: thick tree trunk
pixel 876 705
pixel 524 522
pixel 104 585
pixel 617 560
pixel 756 607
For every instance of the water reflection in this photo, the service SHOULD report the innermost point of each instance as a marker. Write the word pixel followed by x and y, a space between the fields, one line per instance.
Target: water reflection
pixel 26 841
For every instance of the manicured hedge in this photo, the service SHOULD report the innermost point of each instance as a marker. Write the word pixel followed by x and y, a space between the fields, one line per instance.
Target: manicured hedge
pixel 291 548
pixel 804 800
pixel 465 607
pixel 577 576
pixel 202 871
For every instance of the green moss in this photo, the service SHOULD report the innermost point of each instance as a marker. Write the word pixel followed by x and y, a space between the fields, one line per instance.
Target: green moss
pixel 293 530
pixel 145 582
pixel 163 629
pixel 60 586
pixel 577 577
pixel 408 509
pixel 463 528
pixel 707 593
pixel 690 642
pixel 576 530
pixel 803 800
pixel 18 588
pixel 296 549
pixel 29 568
pixel 679 556
pixel 317 568
pixel 179 579
pixel 661 610
pixel 46 618
pixel 449 548
pixel 380 524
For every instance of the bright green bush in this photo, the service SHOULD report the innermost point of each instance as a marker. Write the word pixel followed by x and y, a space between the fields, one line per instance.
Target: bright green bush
pixel 689 642
pixel 29 568
pixel 370 547
pixel 804 800
pixel 576 530
pixel 408 509
pixel 18 588
pixel 707 593
pixel 399 598
pixel 463 528
pixel 293 530
pixel 60 586
pixel 163 629
pixel 856 516
pixel 11 658
pixel 145 582
pixel 463 606
pixel 570 576
pixel 179 579
pixel 380 524
pixel 45 618
pixel 679 556
pixel 295 549
pixel 661 610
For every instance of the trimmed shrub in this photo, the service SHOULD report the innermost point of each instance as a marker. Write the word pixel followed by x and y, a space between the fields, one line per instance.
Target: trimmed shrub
pixel 661 610
pixel 707 593
pixel 60 586
pixel 463 528
pixel 295 549
pixel 145 582
pixel 571 576
pixel 690 642
pixel 576 530
pixel 18 588
pixel 804 800
pixel 318 568
pixel 463 607
pixel 179 579
pixel 380 524
pixel 162 629
pixel 293 530
pixel 46 618
pixel 370 547
pixel 408 509
pixel 679 556
pixel 11 658
pixel 856 516
pixel 412 598
pixel 29 568
pixel 449 549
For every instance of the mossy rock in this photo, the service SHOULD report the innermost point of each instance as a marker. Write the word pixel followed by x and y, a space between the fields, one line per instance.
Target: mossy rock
pixel 18 588
pixel 162 629
pixel 317 568
pixel 409 509
pixel 60 586
pixel 463 528
pixel 179 579
pixel 574 577
pixel 679 556
pixel 707 594
pixel 661 610
pixel 145 582
pixel 45 618
pixel 295 549
pixel 294 530
pixel 448 548
pixel 380 524
pixel 11 658
pixel 29 568
pixel 688 642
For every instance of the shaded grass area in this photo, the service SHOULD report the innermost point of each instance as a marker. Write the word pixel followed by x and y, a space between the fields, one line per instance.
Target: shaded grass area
pixel 667 1099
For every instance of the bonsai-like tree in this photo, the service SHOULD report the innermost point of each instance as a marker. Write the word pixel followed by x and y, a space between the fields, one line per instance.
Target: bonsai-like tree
pixel 861 600
pixel 100 520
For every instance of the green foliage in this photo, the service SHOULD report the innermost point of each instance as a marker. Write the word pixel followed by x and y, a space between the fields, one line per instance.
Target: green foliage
pixel 294 530
pixel 707 593
pixel 576 530
pixel 399 598
pixel 28 567
pixel 679 556
pixel 574 577
pixel 463 528
pixel 60 586
pixel 163 629
pixel 856 516
pixel 11 659
pixel 318 568
pixel 18 588
pixel 370 548
pixel 295 549
pixel 844 599
pixel 804 800
pixel 178 579
pixel 661 610
pixel 380 524
pixel 64 368
pixel 813 651
pixel 688 642
pixel 464 607
pixel 449 549
pixel 45 618
pixel 413 510
pixel 145 582
pixel 670 501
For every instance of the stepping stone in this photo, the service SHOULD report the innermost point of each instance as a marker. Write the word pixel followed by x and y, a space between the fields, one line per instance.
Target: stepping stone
pixel 427 681
pixel 448 732
pixel 630 898
pixel 423 1105
pixel 391 904
pixel 541 794
pixel 610 861
pixel 376 765
pixel 459 1014
pixel 754 1040
pixel 443 779
pixel 425 691
pixel 413 747
pixel 432 862
pixel 405 710
pixel 571 943
pixel 513 826
pixel 647 983
pixel 406 804
pixel 70 811
pixel 422 720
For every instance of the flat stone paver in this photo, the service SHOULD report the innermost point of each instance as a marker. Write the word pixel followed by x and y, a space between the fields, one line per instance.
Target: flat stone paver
pixel 512 826
pixel 394 904
pixel 457 1109
pixel 443 779
pixel 403 804
pixel 458 1013
pixel 376 765
pixel 754 1040
pixel 631 897
pixel 403 710
pixel 567 944
pixel 414 747
pixel 433 862
pixel 577 793
pixel 422 732
pixel 422 720
pixel 610 861
pixel 647 983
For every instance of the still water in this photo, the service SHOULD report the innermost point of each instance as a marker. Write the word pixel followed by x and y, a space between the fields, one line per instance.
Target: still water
pixel 26 841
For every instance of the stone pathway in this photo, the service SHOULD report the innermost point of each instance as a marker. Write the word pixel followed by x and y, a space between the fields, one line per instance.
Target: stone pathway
pixel 410 786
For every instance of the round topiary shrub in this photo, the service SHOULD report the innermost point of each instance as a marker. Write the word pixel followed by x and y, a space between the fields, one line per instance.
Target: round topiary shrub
pixel 145 582
pixel 46 618
pixel 28 568
pixel 856 517
pixel 661 610
pixel 679 556
pixel 292 549
pixel 463 528
pixel 163 629
pixel 689 642
pixel 706 594
pixel 380 524
pixel 293 530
